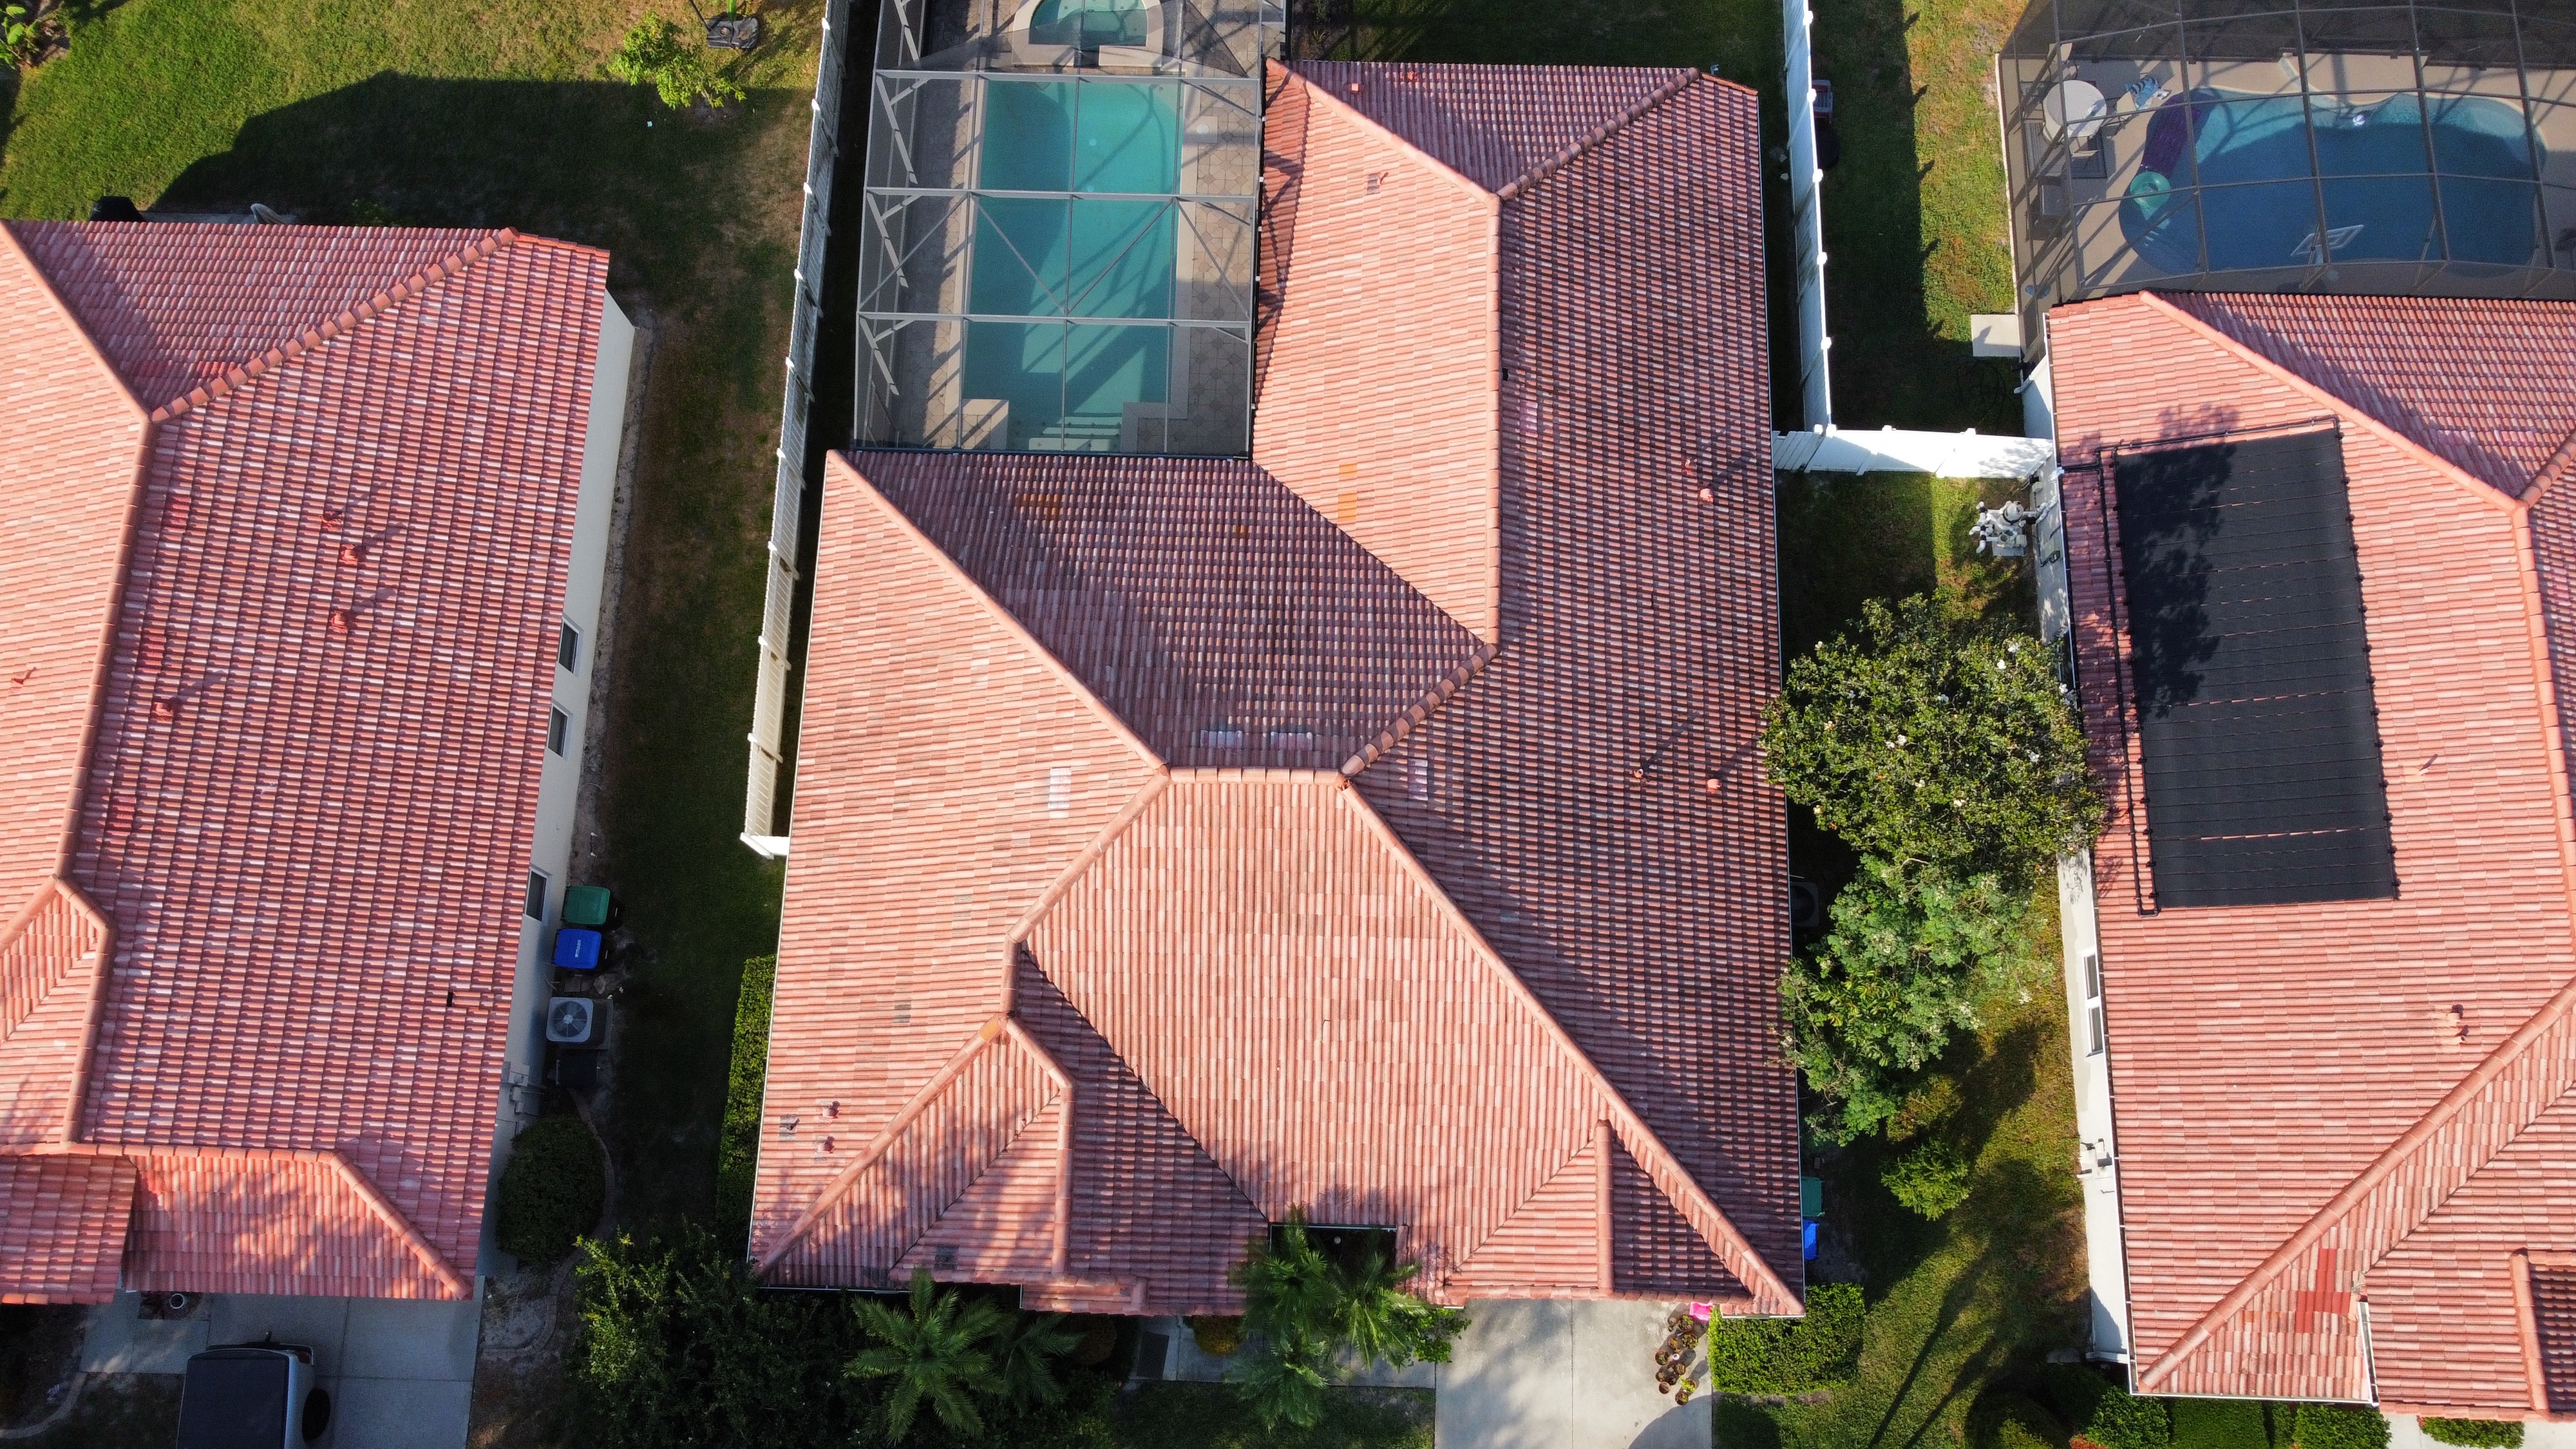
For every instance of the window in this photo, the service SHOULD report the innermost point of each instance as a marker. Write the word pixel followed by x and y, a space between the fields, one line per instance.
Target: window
pixel 2093 1003
pixel 536 903
pixel 568 648
pixel 558 724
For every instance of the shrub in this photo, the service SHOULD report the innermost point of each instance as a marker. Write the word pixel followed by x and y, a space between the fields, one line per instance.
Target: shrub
pixel 2339 1426
pixel 738 1149
pixel 552 1192
pixel 1910 955
pixel 2119 1419
pixel 660 54
pixel 1218 1335
pixel 2475 1433
pixel 2220 1424
pixel 1789 1355
pixel 2003 1419
pixel 1929 740
pixel 1930 1180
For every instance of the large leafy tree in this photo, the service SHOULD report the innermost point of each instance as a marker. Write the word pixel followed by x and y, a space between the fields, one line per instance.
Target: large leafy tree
pixel 1909 957
pixel 1925 739
pixel 939 1352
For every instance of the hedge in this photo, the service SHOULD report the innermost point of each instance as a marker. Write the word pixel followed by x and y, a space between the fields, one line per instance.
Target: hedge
pixel 2003 1419
pixel 1789 1355
pixel 2104 1414
pixel 2475 1433
pixel 2340 1426
pixel 738 1150
pixel 552 1192
pixel 2228 1424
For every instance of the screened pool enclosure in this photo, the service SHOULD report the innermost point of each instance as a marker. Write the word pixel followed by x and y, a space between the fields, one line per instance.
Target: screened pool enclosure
pixel 1057 236
pixel 2273 146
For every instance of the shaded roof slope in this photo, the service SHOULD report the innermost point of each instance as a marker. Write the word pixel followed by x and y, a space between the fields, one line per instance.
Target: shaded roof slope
pixel 1223 619
pixel 1496 125
pixel 309 773
pixel 2456 993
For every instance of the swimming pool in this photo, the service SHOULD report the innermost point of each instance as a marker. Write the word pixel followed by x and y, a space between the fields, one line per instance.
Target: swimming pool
pixel 2386 197
pixel 1108 251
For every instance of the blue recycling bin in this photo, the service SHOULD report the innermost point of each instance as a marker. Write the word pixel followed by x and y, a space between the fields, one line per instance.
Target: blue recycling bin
pixel 577 949
pixel 1811 1239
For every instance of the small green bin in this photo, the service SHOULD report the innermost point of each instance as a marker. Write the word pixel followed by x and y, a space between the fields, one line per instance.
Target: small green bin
pixel 586 906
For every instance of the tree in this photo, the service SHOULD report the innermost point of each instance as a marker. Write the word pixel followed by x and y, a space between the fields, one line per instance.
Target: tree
pixel 1909 956
pixel 1930 1180
pixel 1304 1308
pixel 660 54
pixel 936 1352
pixel 1929 740
pixel 1026 1355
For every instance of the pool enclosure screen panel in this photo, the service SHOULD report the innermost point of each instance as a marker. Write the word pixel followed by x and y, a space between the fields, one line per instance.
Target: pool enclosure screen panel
pixel 2273 146
pixel 2250 674
pixel 1056 250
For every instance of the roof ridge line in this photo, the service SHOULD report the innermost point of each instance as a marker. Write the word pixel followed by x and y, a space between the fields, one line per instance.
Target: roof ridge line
pixel 95 1004
pixel 1592 1142
pixel 1060 1249
pixel 53 294
pixel 2386 431
pixel 2561 465
pixel 312 338
pixel 1074 870
pixel 994 1029
pixel 1420 712
pixel 2508 1054
pixel 402 1226
pixel 993 606
pixel 1693 1201
pixel 1437 166
pixel 1589 139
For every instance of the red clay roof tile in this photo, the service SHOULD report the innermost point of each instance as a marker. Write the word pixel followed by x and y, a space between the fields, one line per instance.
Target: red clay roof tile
pixel 1496 125
pixel 62 1227
pixel 302 840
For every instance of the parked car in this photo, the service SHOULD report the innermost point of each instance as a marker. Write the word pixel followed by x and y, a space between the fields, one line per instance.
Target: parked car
pixel 252 1396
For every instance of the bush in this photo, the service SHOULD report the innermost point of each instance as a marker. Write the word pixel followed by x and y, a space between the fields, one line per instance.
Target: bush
pixel 552 1192
pixel 738 1144
pixel 1929 740
pixel 2475 1433
pixel 2118 1419
pixel 2220 1424
pixel 2003 1419
pixel 660 54
pixel 1218 1335
pixel 2340 1426
pixel 1910 955
pixel 1789 1355
pixel 1930 1180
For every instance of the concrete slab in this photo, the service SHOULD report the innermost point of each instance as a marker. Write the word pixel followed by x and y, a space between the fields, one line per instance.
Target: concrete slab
pixel 118 1341
pixel 1558 1374
pixel 394 1338
pixel 400 1413
pixel 318 1323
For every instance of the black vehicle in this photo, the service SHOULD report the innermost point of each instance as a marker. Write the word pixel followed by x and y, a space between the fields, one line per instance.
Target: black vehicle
pixel 252 1396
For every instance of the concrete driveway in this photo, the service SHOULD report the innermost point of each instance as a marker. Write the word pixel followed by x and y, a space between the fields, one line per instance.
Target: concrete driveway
pixel 1559 1374
pixel 400 1374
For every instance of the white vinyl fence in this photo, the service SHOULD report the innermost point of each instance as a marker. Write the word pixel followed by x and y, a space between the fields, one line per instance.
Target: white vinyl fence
pixel 1806 216
pixel 760 827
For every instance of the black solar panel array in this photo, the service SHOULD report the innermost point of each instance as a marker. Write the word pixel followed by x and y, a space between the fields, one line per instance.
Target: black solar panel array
pixel 2252 672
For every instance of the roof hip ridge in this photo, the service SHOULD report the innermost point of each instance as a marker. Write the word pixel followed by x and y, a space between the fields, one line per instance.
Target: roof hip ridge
pixel 1681 77
pixel 97 355
pixel 1420 711
pixel 2561 466
pixel 2489 1080
pixel 1697 1208
pixel 1398 139
pixel 312 338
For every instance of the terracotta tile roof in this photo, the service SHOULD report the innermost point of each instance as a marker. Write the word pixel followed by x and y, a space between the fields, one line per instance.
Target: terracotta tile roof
pixel 1496 125
pixel 1529 962
pixel 2552 1349
pixel 1396 442
pixel 2391 1064
pixel 1224 620
pixel 62 1227
pixel 308 773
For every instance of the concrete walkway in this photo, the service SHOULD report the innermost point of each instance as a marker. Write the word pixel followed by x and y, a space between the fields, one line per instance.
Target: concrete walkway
pixel 400 1373
pixel 1558 1374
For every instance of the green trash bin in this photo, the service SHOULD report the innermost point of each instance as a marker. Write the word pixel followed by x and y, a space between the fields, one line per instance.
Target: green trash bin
pixel 586 906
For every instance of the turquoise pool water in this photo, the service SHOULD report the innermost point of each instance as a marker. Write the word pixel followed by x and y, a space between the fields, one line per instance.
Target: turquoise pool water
pixel 1090 256
pixel 2370 162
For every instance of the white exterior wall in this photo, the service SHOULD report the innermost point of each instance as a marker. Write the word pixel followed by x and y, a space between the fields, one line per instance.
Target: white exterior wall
pixel 559 786
pixel 2097 1165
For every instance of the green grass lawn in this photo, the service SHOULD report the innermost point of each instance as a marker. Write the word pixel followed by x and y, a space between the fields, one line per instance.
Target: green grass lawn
pixel 497 113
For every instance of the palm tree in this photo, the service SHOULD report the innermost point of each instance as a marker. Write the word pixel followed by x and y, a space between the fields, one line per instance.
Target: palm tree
pixel 1288 1287
pixel 937 1353
pixel 1284 1380
pixel 1028 1349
